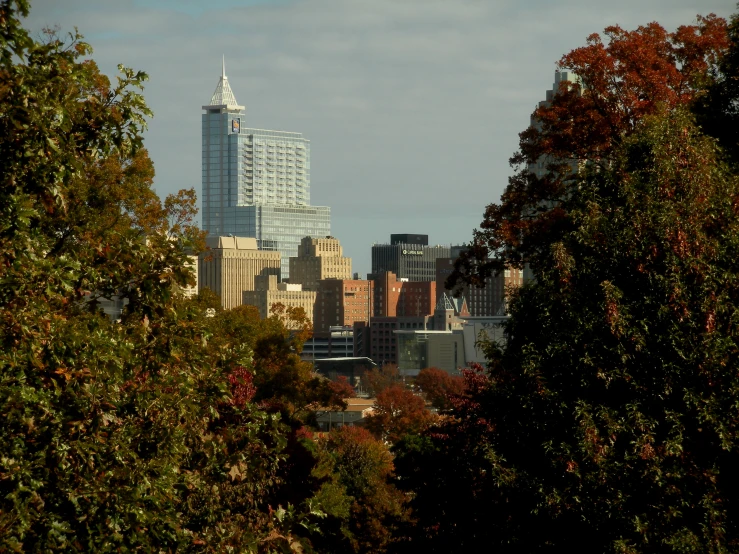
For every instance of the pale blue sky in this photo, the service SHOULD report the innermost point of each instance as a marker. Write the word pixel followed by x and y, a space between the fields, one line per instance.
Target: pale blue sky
pixel 413 107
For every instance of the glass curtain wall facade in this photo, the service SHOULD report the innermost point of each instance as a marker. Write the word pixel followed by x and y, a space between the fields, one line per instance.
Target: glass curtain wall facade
pixel 256 182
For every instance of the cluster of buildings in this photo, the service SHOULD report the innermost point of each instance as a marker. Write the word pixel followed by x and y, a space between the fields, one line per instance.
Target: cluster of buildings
pixel 269 245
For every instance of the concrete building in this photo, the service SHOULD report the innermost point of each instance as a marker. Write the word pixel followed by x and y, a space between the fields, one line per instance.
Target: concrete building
pixel 337 342
pixel 319 258
pixel 231 265
pixel 342 302
pixel 413 261
pixel 269 292
pixel 256 182
pixel 418 350
pixel 403 298
pixel 377 339
pixel 484 301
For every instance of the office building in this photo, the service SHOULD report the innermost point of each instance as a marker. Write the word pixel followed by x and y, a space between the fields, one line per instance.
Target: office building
pixel 403 298
pixel 268 292
pixel 319 258
pixel 231 265
pixel 415 261
pixel 337 342
pixel 342 302
pixel 256 182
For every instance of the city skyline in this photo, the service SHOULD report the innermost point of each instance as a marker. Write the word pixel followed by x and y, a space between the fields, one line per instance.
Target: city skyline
pixel 413 109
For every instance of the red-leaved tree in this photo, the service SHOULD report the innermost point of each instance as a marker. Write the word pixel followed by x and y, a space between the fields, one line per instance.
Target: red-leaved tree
pixel 437 384
pixel 622 79
pixel 398 412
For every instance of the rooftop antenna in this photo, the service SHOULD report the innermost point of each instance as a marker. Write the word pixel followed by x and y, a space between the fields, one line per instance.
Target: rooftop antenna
pixel 223 70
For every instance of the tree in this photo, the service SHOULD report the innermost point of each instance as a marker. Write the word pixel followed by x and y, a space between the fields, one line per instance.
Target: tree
pixel 116 436
pixel 362 468
pixel 341 388
pixel 397 412
pixel 607 418
pixel 378 379
pixel 632 75
pixel 437 385
pixel 717 111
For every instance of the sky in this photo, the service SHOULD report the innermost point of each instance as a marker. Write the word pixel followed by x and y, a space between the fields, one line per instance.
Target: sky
pixel 412 107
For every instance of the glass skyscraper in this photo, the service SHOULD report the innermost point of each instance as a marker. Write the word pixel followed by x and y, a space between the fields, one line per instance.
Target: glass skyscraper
pixel 256 183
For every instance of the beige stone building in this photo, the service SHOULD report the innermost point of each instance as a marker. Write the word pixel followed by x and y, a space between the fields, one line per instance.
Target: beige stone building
pixel 231 265
pixel 319 258
pixel 269 292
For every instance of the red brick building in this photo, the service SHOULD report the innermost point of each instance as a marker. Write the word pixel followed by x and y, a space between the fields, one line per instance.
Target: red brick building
pixel 394 297
pixel 341 302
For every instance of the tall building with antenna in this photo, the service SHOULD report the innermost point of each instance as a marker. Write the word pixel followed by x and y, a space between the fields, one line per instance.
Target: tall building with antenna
pixel 256 182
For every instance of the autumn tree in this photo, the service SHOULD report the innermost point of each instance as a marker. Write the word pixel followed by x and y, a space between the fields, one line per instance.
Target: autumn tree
pixel 116 436
pixel 622 77
pixel 377 379
pixel 341 388
pixel 363 474
pixel 607 418
pixel 397 412
pixel 437 385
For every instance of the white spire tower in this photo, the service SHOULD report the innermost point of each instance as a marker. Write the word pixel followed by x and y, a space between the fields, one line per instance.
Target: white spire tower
pixel 223 95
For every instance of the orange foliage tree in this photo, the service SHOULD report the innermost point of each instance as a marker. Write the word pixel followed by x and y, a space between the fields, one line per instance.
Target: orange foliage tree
pixel 398 412
pixel 622 79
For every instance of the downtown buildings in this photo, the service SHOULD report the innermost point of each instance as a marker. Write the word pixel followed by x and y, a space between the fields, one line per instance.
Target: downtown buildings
pixel 256 182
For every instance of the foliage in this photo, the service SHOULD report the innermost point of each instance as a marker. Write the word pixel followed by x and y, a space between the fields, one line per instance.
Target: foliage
pixel 437 385
pixel 717 110
pixel 629 76
pixel 609 417
pixel 116 436
pixel 397 412
pixel 341 388
pixel 377 379
pixel 371 509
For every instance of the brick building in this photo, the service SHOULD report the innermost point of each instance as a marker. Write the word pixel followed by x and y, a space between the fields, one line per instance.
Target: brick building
pixel 342 302
pixel 402 298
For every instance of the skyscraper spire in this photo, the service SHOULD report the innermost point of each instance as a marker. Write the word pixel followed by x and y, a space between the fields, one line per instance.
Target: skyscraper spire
pixel 223 95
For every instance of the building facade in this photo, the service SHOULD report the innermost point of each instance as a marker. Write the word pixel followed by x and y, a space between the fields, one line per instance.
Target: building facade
pixel 412 261
pixel 231 266
pixel 268 292
pixel 256 182
pixel 319 258
pixel 342 302
pixel 377 340
pixel 403 298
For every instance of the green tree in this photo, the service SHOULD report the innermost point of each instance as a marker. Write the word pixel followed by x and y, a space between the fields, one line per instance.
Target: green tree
pixel 608 419
pixel 116 436
pixel 368 509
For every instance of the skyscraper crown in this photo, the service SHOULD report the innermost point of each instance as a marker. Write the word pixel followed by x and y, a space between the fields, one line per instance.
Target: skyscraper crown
pixel 223 95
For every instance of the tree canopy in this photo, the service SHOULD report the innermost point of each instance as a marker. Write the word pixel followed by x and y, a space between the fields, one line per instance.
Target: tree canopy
pixel 609 418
